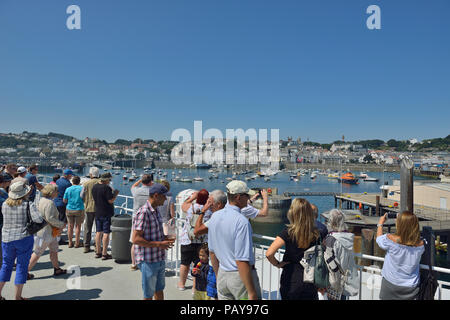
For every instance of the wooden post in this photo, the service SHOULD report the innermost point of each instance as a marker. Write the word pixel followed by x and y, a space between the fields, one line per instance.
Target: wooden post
pixel 377 206
pixel 367 245
pixel 357 243
pixel 406 186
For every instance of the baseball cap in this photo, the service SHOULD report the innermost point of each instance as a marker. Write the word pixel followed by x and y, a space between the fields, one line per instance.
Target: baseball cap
pixel 68 172
pixel 21 169
pixel 158 188
pixel 239 187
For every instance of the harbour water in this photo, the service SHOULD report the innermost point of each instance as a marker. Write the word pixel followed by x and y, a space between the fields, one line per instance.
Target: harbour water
pixel 280 181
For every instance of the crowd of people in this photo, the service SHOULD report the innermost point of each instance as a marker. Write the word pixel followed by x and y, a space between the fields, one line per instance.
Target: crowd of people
pixel 216 238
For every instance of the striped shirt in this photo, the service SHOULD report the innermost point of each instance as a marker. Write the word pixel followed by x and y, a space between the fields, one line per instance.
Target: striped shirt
pixel 15 221
pixel 149 220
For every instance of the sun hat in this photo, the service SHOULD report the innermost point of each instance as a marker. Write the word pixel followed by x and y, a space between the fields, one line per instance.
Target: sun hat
pixel 18 190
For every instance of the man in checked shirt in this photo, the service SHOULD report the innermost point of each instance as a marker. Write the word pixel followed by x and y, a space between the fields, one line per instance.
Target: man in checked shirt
pixel 151 243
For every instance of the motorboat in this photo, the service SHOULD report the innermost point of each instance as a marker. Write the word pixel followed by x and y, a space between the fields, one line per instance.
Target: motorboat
pixel 185 180
pixel 348 178
pixel 370 179
pixel 363 175
pixel 313 175
pixel 198 179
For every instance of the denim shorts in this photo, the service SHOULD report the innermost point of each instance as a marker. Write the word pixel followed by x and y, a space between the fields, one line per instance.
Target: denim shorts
pixel 103 224
pixel 153 277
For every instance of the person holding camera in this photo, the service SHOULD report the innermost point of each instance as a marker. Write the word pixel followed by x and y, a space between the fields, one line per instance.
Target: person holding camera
pixel 104 198
pixel 404 249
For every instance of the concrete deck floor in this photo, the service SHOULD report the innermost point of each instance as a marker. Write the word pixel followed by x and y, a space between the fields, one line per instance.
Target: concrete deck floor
pixel 98 280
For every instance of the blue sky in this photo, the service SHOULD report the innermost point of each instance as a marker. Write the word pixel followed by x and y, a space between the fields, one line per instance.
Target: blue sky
pixel 144 68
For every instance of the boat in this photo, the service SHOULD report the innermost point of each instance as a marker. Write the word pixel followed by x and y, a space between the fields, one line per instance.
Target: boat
pixel 363 175
pixel 313 175
pixel 185 180
pixel 370 179
pixel 125 177
pixel 132 178
pixel 333 176
pixel 229 179
pixel 198 179
pixel 266 179
pixel 348 178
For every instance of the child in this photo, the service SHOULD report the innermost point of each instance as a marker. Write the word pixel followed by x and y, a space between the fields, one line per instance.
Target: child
pixel 202 273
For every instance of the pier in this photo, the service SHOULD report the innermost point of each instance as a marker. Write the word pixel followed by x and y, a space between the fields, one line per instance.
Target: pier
pixel 309 194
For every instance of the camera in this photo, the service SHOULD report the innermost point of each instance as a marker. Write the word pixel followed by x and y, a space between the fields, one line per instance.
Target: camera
pixel 392 215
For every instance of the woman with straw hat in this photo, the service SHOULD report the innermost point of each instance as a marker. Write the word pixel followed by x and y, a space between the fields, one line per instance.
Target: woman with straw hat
pixel 17 243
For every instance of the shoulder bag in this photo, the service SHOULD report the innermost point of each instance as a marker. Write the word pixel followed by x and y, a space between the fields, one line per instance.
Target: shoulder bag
pixel 32 226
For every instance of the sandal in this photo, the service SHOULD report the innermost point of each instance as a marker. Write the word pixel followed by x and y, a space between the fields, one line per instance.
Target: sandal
pixel 30 276
pixel 98 255
pixel 106 257
pixel 70 245
pixel 59 271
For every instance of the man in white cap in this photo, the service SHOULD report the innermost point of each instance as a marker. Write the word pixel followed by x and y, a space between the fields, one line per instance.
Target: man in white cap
pixel 231 247
pixel 89 205
pixel 20 175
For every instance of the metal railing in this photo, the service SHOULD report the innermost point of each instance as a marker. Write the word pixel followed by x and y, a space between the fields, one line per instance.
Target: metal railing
pixel 268 272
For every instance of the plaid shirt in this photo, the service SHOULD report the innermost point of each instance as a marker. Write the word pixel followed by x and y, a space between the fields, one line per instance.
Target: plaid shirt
pixel 149 220
pixel 15 221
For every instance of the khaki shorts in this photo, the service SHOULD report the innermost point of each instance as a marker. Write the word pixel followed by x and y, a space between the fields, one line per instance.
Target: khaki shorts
pixel 75 216
pixel 40 246
pixel 231 287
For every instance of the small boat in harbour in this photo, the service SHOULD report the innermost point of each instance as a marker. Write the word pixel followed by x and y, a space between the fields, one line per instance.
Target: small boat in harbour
pixel 370 179
pixel 348 178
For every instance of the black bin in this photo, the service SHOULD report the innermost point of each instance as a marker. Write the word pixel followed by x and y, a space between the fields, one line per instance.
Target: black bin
pixel 120 238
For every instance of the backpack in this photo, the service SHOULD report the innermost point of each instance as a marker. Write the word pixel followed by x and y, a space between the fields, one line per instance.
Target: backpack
pixel 191 226
pixel 337 277
pixel 314 265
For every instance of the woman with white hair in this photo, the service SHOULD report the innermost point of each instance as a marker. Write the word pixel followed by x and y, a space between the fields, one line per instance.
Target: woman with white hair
pixel 339 243
pixel 48 236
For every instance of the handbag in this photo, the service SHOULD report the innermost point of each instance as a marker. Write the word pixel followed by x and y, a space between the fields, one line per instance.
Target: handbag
pixel 33 227
pixel 428 283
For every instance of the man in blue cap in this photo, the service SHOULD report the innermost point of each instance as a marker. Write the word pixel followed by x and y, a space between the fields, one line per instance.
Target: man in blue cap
pixel 62 183
pixel 151 243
